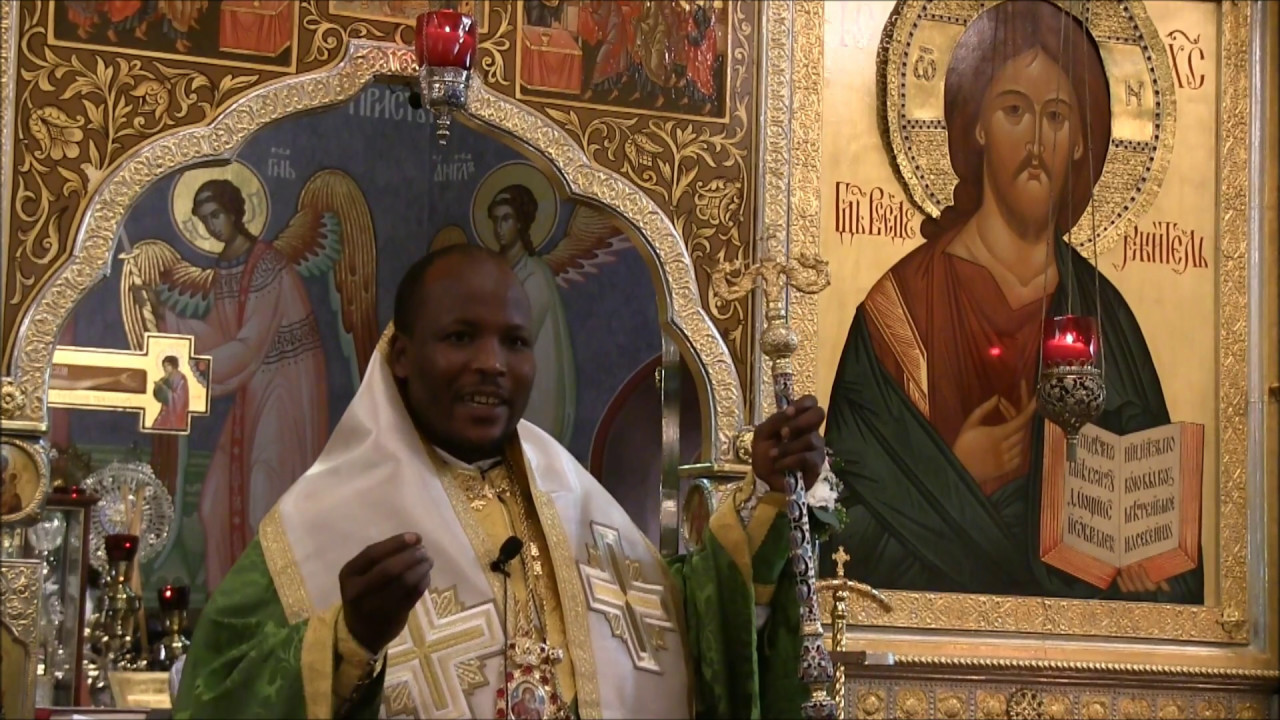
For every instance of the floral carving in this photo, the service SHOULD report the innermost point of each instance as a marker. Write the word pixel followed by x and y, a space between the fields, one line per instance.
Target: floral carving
pixel 79 113
pixel 56 134
pixel 667 158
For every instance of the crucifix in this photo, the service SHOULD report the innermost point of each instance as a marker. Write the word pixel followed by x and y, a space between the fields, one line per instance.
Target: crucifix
pixel 806 273
pixel 165 383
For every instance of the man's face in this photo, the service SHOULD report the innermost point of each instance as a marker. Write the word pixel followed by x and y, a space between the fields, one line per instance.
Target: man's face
pixel 169 368
pixel 1030 135
pixel 506 228
pixel 220 223
pixel 468 366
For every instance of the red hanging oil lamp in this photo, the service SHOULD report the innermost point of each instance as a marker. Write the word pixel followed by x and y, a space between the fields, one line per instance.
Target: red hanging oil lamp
pixel 1071 390
pixel 445 43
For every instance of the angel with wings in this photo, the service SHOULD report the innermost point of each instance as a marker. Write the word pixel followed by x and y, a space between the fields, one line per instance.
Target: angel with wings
pixel 592 238
pixel 251 313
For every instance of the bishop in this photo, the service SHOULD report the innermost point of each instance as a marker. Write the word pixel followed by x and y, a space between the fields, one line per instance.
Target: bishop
pixel 445 559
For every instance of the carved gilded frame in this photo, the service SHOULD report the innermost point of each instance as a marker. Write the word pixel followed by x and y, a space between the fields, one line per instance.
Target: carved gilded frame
pixel 24 394
pixel 19 620
pixel 1238 635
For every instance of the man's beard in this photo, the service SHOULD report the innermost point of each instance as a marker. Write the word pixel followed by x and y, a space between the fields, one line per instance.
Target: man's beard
pixel 1031 215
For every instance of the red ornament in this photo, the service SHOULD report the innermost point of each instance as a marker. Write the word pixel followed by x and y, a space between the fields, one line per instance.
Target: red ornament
pixel 121 547
pixel 1071 340
pixel 446 38
pixel 174 597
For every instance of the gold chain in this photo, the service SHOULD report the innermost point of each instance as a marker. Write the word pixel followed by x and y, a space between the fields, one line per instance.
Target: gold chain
pixel 500 483
pixel 516 501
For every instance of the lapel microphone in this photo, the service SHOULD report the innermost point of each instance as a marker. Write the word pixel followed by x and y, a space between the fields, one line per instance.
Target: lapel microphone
pixel 509 551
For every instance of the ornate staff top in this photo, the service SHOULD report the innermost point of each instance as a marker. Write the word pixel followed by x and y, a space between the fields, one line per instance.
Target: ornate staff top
pixel 805 272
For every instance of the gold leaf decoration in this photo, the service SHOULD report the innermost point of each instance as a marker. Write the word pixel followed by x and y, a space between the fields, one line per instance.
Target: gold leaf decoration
pixel 78 113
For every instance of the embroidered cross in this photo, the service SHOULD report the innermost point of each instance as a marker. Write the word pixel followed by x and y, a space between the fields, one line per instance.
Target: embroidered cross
pixel 636 610
pixel 436 661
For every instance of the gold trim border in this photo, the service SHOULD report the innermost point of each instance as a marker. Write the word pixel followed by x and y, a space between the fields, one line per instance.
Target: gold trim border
pixel 790 148
pixel 282 564
pixel 8 103
pixel 1229 622
pixel 1053 667
pixel 680 300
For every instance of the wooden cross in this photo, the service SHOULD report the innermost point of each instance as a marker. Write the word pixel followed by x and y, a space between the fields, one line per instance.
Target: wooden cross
pixel 166 371
pixel 636 610
pixel 841 557
pixel 436 661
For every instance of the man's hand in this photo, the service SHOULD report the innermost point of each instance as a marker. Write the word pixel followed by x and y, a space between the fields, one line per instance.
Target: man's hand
pixel 788 441
pixel 381 585
pixel 989 451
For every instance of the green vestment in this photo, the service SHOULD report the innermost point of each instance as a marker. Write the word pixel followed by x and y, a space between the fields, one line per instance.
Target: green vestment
pixel 246 659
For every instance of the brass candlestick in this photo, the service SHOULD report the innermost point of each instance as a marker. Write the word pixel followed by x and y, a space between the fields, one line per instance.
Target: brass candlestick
pixel 173 606
pixel 120 605
pixel 806 273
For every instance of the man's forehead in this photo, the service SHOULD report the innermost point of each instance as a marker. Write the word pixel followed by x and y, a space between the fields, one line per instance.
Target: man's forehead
pixel 473 284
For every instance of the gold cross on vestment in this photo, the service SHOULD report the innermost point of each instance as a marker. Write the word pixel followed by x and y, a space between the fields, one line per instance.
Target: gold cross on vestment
pixel 437 660
pixel 636 610
pixel 841 557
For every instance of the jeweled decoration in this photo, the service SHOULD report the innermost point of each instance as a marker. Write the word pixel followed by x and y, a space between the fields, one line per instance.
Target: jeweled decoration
pixel 445 43
pixel 1071 390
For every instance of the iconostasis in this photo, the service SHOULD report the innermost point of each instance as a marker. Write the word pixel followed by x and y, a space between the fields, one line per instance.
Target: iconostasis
pixel 168 361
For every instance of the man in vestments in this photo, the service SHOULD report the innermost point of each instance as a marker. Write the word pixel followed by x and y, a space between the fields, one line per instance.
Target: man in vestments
pixel 442 555
pixel 933 411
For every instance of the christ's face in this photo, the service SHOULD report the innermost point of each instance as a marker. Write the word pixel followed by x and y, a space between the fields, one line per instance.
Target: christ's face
pixel 506 226
pixel 1029 130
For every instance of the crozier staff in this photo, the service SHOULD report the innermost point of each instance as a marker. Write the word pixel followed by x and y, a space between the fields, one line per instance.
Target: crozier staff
pixel 369 585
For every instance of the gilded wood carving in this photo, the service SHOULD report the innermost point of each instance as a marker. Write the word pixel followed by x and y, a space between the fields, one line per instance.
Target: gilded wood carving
pixel 92 84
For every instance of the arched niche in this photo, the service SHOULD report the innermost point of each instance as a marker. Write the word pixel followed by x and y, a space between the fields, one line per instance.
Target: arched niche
pixel 680 309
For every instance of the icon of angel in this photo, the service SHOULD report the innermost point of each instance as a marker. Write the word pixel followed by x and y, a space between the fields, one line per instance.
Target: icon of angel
pixel 514 211
pixel 251 313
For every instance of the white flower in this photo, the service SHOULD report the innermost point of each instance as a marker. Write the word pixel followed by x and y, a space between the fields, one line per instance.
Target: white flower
pixel 825 492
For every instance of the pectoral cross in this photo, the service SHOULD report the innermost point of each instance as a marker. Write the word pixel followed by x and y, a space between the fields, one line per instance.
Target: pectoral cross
pixel 636 610
pixel 436 661
pixel 100 379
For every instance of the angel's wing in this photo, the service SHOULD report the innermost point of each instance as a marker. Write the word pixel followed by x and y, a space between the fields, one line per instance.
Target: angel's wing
pixel 332 233
pixel 154 265
pixel 593 238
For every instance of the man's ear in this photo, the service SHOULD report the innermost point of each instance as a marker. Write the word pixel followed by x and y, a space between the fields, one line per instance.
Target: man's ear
pixel 982 136
pixel 399 355
pixel 1079 150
